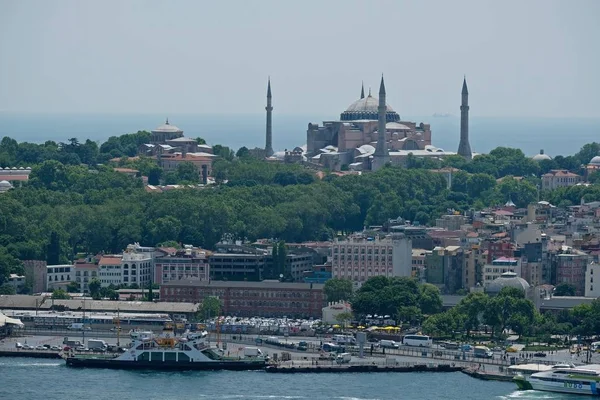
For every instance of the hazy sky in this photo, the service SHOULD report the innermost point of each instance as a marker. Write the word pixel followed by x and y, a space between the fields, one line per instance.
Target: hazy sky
pixel 521 58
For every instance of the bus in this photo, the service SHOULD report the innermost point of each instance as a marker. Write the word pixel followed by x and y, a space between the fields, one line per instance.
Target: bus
pixel 417 340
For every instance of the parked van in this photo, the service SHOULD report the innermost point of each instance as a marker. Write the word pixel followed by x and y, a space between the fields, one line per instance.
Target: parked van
pixel 78 326
pixel 343 358
pixel 388 344
pixel 482 352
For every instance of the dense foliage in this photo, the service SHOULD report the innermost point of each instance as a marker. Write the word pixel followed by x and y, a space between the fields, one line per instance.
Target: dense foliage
pixel 72 204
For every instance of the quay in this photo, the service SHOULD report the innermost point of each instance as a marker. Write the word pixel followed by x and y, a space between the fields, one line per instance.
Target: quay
pixel 487 376
pixel 288 369
pixel 29 354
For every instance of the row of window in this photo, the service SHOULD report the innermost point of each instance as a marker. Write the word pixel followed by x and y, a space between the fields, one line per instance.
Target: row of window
pixel 62 278
pixel 362 258
pixel 272 304
pixel 369 250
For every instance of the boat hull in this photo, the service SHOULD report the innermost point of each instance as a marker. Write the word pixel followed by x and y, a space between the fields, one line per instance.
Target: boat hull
pixel 166 365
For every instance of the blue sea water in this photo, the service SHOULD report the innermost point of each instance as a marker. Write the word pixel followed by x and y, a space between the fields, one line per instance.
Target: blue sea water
pixel 555 135
pixel 33 379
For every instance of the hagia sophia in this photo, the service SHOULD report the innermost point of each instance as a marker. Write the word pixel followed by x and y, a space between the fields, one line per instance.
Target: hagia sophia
pixel 368 135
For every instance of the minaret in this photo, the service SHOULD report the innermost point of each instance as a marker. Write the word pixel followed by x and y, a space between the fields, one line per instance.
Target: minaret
pixel 269 108
pixel 362 91
pixel 464 148
pixel 381 156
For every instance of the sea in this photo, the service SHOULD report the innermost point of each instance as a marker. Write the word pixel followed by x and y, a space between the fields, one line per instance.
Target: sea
pixel 555 135
pixel 33 379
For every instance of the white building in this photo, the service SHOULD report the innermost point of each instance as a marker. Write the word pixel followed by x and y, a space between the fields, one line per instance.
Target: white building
pixel 189 263
pixel 59 276
pixel 501 266
pixel 109 270
pixel 592 289
pixel 331 312
pixel 361 257
pixel 136 267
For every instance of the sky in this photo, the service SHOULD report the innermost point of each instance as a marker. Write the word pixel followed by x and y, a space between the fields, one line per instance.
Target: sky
pixel 535 58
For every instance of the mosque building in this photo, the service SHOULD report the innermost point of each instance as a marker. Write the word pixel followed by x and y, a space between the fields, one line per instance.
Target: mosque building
pixel 370 134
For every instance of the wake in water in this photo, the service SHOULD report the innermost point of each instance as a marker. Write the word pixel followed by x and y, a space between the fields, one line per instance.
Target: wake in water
pixel 32 364
pixel 534 394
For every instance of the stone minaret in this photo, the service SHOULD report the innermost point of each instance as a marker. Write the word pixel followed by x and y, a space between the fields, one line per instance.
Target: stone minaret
pixel 381 155
pixel 269 108
pixel 464 148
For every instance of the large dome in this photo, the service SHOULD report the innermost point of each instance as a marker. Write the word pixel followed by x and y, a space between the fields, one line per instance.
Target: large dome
pixel 366 108
pixel 595 160
pixel 166 127
pixel 541 156
pixel 507 279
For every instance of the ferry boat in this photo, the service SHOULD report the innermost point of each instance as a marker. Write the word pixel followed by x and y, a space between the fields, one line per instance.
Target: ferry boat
pixel 564 378
pixel 167 352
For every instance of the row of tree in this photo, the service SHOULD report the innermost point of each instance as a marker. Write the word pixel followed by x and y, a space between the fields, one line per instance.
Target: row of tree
pixel 420 305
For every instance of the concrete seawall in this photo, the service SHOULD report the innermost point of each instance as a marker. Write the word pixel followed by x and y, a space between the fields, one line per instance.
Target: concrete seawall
pixel 30 354
pixel 362 368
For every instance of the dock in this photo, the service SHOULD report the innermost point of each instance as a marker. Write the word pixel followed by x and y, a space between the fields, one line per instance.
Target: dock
pixel 289 369
pixel 487 376
pixel 29 354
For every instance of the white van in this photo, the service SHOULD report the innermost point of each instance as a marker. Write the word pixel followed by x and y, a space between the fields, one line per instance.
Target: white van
pixel 388 344
pixel 343 358
pixel 78 326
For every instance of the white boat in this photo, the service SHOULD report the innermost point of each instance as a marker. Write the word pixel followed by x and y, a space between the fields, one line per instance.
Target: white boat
pixel 563 378
pixel 167 351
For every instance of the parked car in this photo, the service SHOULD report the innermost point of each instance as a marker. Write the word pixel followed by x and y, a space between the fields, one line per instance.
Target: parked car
pixel 18 345
pixel 27 347
pixel 40 347
pixel 55 348
pixel 46 346
pixel 539 354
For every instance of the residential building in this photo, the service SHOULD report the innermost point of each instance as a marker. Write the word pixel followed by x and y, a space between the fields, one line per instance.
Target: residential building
pixel 59 276
pixel 137 267
pixel 85 270
pixel 500 266
pixel 109 270
pixel 246 299
pixel 16 281
pixel 570 268
pixel 559 178
pixel 237 262
pixel 474 260
pixel 190 263
pixel 418 263
pixel 361 257
pixel 444 268
pixel 592 289
pixel 450 222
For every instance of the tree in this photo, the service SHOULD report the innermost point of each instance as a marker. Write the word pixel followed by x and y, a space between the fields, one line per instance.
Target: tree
pixel 94 288
pixel 7 288
pixel 338 289
pixel 210 308
pixel 242 152
pixel 72 287
pixel 188 172
pixel 199 140
pixel 343 317
pixel 53 249
pixel 472 308
pixel 60 294
pixel 565 289
pixel 430 299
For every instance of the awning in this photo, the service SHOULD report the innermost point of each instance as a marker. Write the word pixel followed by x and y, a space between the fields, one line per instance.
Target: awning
pixel 11 321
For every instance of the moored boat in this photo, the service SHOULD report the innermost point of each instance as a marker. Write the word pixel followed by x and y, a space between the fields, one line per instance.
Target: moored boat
pixel 167 352
pixel 563 378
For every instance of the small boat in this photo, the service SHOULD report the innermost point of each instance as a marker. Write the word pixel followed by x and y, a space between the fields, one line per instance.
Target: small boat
pixel 167 352
pixel 563 378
